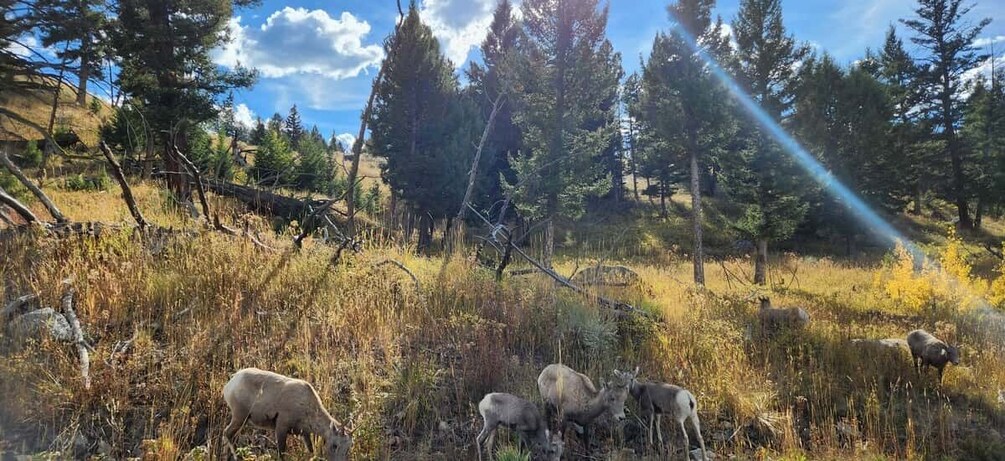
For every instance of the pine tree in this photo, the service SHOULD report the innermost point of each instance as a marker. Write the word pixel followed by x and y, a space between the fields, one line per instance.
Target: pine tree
pixel 274 163
pixel 566 78
pixel 316 136
pixel 74 29
pixel 983 133
pixel 685 104
pixel 942 29
pixel 421 125
pixel 762 177
pixel 896 69
pixel 293 128
pixel 164 47
pixel 276 124
pixel 312 168
pixel 258 132
pixel 489 82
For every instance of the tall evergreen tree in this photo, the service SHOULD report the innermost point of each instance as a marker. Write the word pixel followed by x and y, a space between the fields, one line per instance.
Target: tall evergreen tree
pixel 684 103
pixel 983 132
pixel 942 29
pixel 274 163
pixel 74 29
pixel 566 80
pixel 293 127
pixel 258 132
pixel 490 81
pixel 164 47
pixel 901 76
pixel 422 126
pixel 760 176
pixel 275 123
pixel 312 173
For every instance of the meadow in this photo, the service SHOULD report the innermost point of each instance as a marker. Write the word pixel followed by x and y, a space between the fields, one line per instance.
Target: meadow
pixel 405 363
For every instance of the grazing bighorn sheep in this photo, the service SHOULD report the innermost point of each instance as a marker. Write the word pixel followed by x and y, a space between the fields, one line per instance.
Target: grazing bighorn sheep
pixel 774 319
pixel 273 401
pixel 508 410
pixel 574 397
pixel 927 350
pixel 658 399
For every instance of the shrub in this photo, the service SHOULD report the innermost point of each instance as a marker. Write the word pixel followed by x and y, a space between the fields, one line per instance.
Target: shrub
pixel 81 182
pixel 14 187
pixel 32 155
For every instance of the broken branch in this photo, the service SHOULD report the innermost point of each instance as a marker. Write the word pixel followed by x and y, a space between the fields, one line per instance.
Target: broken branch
pixel 49 205
pixel 401 266
pixel 78 334
pixel 17 206
pixel 127 193
pixel 192 170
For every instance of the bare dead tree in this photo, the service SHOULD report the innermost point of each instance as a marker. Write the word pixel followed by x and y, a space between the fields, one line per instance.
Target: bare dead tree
pixel 357 145
pixel 35 190
pixel 197 177
pixel 127 192
pixel 66 307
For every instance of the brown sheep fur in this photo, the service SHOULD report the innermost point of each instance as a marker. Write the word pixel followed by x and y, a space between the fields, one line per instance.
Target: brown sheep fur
pixel 286 405
pixel 501 409
pixel 574 397
pixel 927 350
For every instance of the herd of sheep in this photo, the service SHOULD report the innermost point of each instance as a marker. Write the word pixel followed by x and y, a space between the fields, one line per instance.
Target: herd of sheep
pixel 291 406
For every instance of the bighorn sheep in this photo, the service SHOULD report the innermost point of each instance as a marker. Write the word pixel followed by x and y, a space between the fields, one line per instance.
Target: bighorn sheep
pixel 273 401
pixel 775 319
pixel 657 399
pixel 521 416
pixel 574 397
pixel 927 350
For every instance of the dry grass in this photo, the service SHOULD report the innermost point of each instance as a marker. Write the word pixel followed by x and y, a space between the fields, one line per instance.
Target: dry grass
pixel 407 366
pixel 69 115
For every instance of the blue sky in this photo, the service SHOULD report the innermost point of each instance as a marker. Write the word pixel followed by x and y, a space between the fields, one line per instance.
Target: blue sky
pixel 322 55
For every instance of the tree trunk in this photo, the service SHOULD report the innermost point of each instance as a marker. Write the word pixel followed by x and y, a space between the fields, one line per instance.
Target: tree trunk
pixel 635 167
pixel 84 74
pixel 549 242
pixel 917 198
pixel 425 233
pixel 979 213
pixel 696 218
pixel 409 226
pixel 663 200
pixel 955 156
pixel 761 262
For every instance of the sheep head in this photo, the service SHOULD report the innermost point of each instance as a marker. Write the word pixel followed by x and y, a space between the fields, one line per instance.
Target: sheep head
pixel 337 443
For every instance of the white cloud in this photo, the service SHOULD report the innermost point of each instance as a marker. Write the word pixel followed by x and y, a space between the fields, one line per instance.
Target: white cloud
pixel 984 69
pixel 244 116
pixel 317 92
pixel 986 41
pixel 300 41
pixel 460 25
pixel 25 47
pixel 347 140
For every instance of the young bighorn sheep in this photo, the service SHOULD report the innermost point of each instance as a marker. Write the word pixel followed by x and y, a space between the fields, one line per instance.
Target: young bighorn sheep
pixel 658 399
pixel 775 319
pixel 521 416
pixel 927 350
pixel 272 401
pixel 574 397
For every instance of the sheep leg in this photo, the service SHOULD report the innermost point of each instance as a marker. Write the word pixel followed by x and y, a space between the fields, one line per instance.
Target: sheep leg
pixel 308 442
pixel 687 443
pixel 697 432
pixel 237 421
pixel 649 427
pixel 484 434
pixel 659 432
pixel 282 431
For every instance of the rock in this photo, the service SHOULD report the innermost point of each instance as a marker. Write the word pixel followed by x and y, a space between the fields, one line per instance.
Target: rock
pixel 696 455
pixel 34 323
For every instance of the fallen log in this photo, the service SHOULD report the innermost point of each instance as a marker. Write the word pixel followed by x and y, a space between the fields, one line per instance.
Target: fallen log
pixel 263 201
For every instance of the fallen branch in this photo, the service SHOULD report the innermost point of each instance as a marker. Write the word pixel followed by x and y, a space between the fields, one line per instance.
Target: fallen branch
pixel 18 207
pixel 192 170
pixel 49 205
pixel 401 266
pixel 78 334
pixel 127 192
pixel 994 251
pixel 617 306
